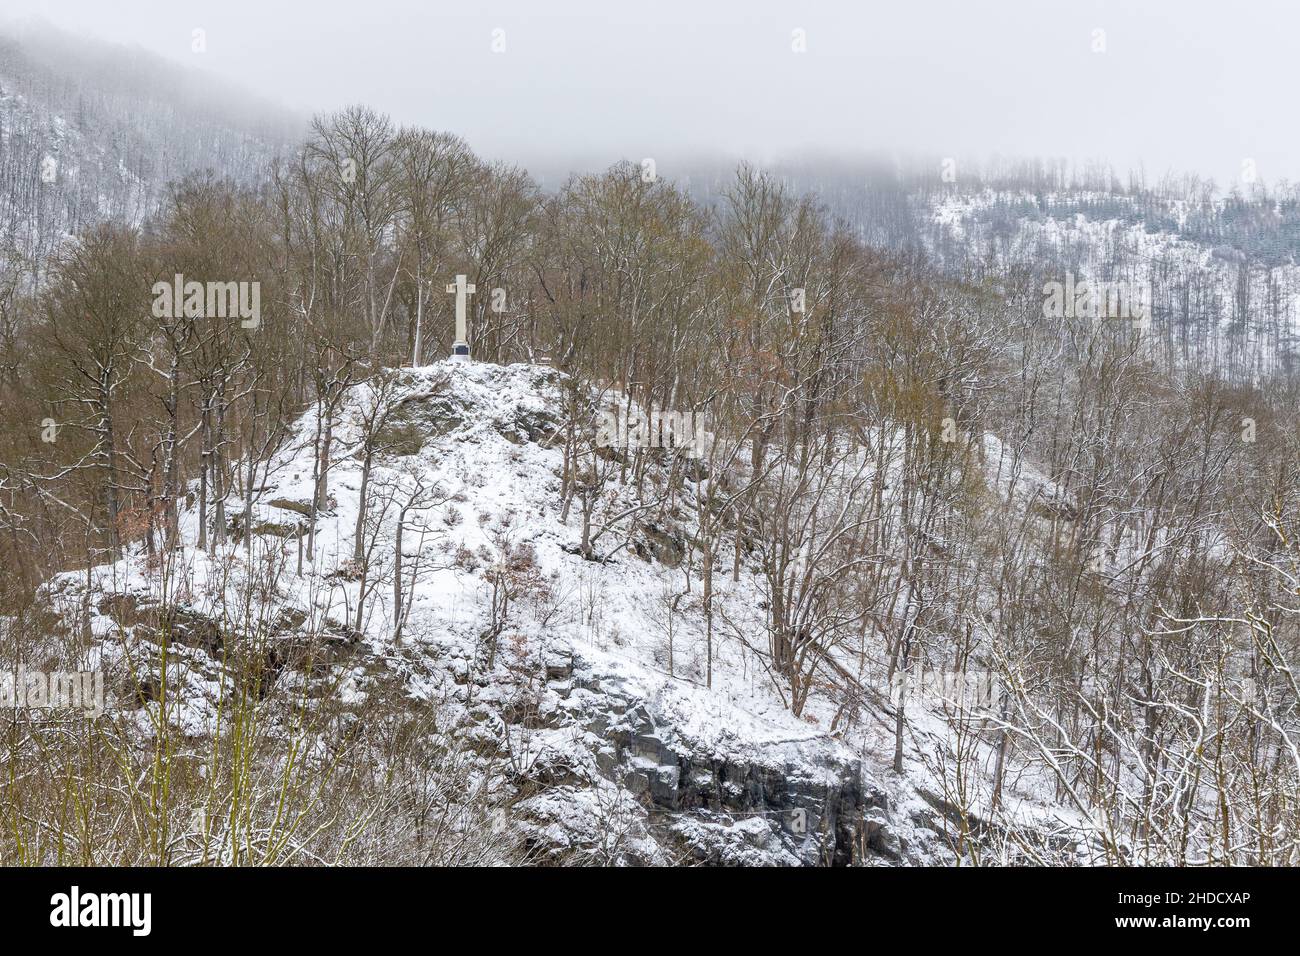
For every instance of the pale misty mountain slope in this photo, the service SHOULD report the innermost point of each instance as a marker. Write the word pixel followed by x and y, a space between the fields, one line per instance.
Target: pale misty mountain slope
pixel 93 132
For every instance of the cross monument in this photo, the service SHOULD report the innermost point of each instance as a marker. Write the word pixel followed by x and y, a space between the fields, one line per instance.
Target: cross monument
pixel 460 348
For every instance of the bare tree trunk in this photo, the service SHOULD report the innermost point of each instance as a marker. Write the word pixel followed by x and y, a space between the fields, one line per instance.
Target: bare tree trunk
pixel 171 465
pixel 901 707
pixel 248 494
pixel 218 469
pixel 358 547
pixel 323 482
pixel 205 460
pixel 397 576
pixel 315 487
pixel 707 600
pixel 110 442
pixel 419 320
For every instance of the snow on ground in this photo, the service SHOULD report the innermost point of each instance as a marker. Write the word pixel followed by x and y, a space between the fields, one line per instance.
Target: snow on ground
pixel 1130 250
pixel 482 441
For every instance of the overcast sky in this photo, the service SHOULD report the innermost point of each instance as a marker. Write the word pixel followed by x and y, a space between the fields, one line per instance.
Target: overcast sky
pixel 1182 84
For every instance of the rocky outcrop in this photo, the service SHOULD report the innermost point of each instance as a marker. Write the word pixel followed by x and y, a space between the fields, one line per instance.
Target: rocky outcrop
pixel 782 802
pixel 595 756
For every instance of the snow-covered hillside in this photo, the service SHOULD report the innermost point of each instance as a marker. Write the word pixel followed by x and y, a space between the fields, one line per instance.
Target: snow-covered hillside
pixel 1213 304
pixel 555 666
pixel 91 134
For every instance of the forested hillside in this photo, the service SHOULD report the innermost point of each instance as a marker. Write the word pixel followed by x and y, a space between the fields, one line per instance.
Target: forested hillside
pixel 91 132
pixel 903 468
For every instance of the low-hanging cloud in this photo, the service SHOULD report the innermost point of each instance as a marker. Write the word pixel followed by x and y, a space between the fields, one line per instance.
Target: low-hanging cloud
pixel 1185 86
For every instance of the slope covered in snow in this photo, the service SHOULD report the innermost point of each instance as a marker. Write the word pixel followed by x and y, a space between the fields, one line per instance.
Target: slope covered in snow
pixel 1233 300
pixel 92 133
pixel 578 681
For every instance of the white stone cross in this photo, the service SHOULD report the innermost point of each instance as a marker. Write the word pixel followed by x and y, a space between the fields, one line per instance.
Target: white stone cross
pixel 460 348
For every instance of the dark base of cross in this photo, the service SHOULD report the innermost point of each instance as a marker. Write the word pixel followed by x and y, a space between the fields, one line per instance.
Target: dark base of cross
pixel 460 350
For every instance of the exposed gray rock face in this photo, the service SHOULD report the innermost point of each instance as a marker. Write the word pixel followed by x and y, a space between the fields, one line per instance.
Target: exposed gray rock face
pixel 741 801
pixel 801 802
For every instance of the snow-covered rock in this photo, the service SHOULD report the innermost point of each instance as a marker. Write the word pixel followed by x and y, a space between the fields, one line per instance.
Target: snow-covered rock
pixel 603 754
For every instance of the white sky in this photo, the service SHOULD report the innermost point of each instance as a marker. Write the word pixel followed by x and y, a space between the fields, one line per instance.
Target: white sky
pixel 1183 84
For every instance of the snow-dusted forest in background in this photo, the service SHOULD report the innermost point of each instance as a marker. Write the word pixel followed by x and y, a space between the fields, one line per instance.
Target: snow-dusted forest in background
pixel 776 520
